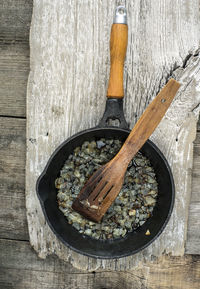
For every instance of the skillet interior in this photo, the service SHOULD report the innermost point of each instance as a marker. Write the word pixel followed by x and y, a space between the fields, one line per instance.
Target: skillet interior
pixel 134 241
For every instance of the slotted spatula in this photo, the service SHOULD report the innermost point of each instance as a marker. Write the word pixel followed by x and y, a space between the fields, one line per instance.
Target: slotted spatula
pixel 105 184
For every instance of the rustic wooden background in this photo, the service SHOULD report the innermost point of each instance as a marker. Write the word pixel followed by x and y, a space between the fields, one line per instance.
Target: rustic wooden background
pixel 69 69
pixel 19 265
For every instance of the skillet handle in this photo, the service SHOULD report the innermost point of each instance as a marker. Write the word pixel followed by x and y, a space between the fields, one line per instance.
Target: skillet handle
pixel 118 45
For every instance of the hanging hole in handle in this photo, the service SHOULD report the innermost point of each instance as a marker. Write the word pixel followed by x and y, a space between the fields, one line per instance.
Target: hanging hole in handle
pixel 121 10
pixel 163 100
pixel 120 15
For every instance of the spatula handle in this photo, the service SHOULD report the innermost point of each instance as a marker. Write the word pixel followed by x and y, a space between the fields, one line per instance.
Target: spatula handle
pixel 118 45
pixel 148 122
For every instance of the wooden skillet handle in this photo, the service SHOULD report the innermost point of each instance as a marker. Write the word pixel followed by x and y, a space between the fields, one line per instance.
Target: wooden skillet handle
pixel 118 45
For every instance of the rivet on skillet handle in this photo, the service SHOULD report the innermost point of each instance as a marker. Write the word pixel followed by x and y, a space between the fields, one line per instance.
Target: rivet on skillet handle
pixel 115 91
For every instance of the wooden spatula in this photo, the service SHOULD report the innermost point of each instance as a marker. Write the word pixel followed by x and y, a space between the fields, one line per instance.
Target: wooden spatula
pixel 105 184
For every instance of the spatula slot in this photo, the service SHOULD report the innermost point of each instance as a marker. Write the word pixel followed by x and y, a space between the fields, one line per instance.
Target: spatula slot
pixel 100 190
pixel 108 192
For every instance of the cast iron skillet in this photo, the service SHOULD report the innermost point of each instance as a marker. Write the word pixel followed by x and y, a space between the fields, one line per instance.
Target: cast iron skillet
pixel 133 241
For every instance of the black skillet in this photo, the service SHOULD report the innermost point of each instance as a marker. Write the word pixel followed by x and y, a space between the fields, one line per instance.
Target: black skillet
pixel 46 191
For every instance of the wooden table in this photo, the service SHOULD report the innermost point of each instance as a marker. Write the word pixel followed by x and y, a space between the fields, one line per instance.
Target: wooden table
pixel 20 267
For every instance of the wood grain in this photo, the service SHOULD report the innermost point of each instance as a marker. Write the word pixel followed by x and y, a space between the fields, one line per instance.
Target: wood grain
pixel 118 46
pixel 14 70
pixel 198 125
pixel 13 222
pixel 19 265
pixel 15 18
pixel 193 232
pixel 25 270
pixel 69 72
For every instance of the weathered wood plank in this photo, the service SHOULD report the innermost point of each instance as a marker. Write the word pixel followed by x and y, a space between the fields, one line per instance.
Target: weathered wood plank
pixel 21 268
pixel 19 265
pixel 15 18
pixel 193 232
pixel 198 125
pixel 13 224
pixel 14 70
pixel 195 197
pixel 69 71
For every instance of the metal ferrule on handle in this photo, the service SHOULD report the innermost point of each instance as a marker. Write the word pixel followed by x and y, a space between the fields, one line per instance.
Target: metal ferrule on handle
pixel 120 16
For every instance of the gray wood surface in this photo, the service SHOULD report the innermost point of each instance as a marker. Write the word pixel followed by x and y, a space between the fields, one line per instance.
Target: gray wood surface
pixel 14 69
pixel 13 222
pixel 20 267
pixel 26 271
pixel 15 18
pixel 69 72
pixel 193 232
